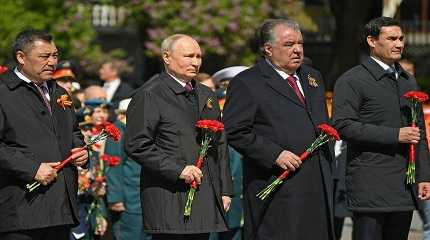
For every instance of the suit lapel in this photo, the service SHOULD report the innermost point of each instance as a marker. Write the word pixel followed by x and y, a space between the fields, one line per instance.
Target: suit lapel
pixel 30 98
pixel 275 81
pixel 202 98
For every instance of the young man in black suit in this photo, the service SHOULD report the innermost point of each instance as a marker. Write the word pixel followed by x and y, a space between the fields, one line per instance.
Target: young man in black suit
pixel 371 113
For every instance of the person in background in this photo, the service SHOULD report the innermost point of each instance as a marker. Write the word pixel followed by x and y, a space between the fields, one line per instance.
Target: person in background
pixel 408 66
pixel 94 92
pixel 92 189
pixel 206 80
pixel 123 181
pixel 424 206
pixel 65 77
pixel 372 116
pixel 116 89
pixel 222 79
pixel 235 214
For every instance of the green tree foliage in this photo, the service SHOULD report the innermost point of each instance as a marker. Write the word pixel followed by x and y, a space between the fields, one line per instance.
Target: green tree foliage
pixel 68 21
pixel 222 27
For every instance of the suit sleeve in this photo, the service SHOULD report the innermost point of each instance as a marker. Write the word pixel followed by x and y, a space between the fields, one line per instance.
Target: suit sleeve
pixel 224 166
pixel 78 138
pixel 346 115
pixel 14 162
pixel 239 116
pixel 141 129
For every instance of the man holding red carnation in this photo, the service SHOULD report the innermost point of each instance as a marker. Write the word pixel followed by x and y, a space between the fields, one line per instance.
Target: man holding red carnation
pixel 36 133
pixel 162 136
pixel 373 116
pixel 271 116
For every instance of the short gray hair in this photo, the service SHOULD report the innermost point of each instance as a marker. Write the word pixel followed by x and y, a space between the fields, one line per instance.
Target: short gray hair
pixel 169 43
pixel 265 32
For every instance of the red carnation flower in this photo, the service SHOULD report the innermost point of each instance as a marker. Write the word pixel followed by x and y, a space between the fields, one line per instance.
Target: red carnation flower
pixel 416 96
pixel 113 132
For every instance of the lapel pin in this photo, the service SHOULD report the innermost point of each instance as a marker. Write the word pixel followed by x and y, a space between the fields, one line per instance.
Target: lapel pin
pixel 209 103
pixel 312 81
pixel 64 101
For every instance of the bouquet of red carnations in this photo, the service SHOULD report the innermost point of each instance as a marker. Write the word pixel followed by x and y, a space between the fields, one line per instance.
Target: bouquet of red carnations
pixel 209 128
pixel 416 98
pixel 327 133
pixel 108 130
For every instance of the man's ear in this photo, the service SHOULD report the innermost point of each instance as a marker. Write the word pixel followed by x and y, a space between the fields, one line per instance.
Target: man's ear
pixel 268 50
pixel 20 56
pixel 166 57
pixel 371 41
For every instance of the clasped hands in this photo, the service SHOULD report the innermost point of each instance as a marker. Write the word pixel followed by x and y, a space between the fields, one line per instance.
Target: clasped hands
pixel 46 173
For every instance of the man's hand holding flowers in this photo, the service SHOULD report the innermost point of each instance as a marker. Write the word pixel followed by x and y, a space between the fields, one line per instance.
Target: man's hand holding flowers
pixel 46 173
pixel 409 135
pixel 288 161
pixel 191 173
pixel 79 156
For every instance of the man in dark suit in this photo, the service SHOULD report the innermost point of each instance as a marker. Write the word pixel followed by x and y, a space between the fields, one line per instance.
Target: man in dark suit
pixel 161 135
pixel 115 88
pixel 371 114
pixel 271 116
pixel 36 133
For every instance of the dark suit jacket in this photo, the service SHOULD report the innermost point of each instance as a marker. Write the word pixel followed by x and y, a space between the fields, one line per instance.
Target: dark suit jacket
pixel 263 116
pixel 368 111
pixel 162 137
pixel 122 92
pixel 29 135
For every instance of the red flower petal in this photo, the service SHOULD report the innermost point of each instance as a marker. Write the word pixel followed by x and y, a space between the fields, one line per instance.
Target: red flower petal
pixel 416 96
pixel 329 130
pixel 113 131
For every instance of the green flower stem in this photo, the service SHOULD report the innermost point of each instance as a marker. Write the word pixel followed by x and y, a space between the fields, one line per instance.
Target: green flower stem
pixel 263 194
pixel 189 203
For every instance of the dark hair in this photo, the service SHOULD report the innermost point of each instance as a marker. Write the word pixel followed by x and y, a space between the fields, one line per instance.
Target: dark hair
pixel 26 38
pixel 373 27
pixel 265 31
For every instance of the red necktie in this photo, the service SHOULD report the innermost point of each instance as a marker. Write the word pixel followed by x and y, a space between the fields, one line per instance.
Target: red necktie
pixel 188 87
pixel 293 84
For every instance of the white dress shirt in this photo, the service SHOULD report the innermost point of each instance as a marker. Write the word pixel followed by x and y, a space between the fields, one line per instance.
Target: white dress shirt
pixel 25 79
pixel 385 66
pixel 110 88
pixel 285 75
pixel 183 83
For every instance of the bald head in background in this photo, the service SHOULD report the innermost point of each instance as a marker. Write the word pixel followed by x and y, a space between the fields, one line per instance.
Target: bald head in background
pixel 95 92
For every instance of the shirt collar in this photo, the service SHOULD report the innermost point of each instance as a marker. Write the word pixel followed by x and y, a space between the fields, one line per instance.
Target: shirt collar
pixel 283 74
pixel 26 79
pixel 180 81
pixel 382 64
pixel 115 82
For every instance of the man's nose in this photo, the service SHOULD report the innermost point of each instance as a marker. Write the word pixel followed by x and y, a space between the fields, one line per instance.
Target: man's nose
pixel 196 61
pixel 52 60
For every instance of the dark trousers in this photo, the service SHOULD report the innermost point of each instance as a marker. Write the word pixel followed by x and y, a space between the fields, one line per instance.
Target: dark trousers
pixel 57 233
pixel 382 226
pixel 202 236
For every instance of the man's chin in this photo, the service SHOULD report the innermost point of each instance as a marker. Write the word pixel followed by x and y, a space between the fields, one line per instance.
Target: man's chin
pixel 46 77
